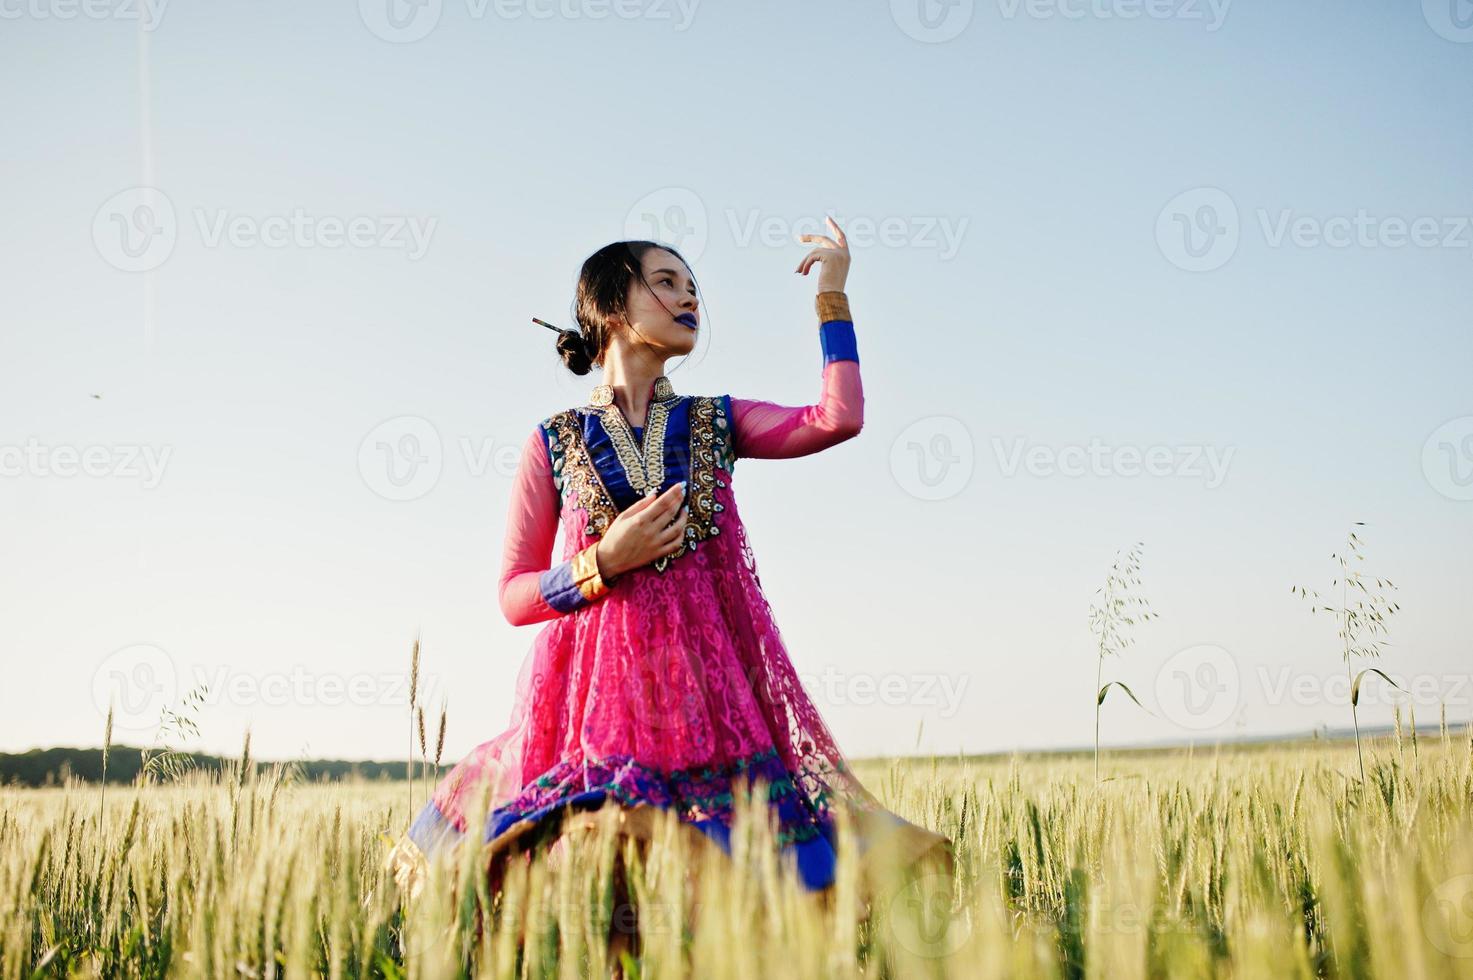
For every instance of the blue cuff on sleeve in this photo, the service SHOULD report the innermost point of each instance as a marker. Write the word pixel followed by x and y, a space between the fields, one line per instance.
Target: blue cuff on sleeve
pixel 837 339
pixel 560 590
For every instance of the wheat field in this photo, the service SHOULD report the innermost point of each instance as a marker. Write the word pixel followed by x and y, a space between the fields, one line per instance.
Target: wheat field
pixel 1250 861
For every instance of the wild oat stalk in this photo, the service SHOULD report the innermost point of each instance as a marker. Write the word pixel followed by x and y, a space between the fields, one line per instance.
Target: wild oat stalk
pixel 246 765
pixel 419 715
pixel 1360 623
pixel 174 724
pixel 107 744
pixel 1119 608
pixel 440 738
pixel 413 703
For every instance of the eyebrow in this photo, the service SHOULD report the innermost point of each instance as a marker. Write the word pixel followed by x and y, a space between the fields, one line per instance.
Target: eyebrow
pixel 658 271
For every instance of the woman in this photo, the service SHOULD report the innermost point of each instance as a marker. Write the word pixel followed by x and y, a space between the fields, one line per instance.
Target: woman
pixel 660 679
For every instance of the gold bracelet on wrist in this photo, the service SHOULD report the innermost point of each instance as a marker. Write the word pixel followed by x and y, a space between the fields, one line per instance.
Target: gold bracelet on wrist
pixel 832 304
pixel 586 575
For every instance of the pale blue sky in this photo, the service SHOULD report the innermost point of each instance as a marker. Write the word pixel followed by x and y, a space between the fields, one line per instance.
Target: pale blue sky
pixel 1034 169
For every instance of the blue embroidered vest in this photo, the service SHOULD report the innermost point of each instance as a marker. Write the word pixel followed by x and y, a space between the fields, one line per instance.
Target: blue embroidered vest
pixel 604 466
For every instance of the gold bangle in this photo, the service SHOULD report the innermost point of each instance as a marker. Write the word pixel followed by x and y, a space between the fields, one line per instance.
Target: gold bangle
pixel 585 573
pixel 833 304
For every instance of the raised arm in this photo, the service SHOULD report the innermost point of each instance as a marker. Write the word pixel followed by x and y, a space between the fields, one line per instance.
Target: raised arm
pixel 763 430
pixel 532 588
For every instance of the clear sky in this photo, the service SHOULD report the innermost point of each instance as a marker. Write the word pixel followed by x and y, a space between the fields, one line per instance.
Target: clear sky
pixel 1190 274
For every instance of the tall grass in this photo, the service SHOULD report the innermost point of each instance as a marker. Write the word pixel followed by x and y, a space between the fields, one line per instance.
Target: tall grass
pixel 1365 606
pixel 1250 862
pixel 1112 620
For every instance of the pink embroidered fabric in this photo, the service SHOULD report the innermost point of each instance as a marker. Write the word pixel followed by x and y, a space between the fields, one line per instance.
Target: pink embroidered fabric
pixel 676 671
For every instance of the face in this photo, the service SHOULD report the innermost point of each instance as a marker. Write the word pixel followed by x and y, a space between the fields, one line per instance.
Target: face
pixel 667 292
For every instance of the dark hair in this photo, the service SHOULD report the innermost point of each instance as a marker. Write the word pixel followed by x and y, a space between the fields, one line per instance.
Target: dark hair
pixel 602 296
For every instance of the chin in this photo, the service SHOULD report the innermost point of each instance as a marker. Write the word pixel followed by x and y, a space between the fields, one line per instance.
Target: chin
pixel 679 345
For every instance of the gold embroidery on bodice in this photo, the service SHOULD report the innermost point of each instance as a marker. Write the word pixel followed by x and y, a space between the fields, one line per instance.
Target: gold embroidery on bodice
pixel 645 471
pixel 644 465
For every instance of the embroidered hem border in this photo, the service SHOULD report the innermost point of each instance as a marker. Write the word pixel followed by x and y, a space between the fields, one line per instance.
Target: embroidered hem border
pixel 697 793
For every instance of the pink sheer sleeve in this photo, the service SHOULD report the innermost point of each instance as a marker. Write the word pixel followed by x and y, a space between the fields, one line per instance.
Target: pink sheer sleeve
pixel 768 431
pixel 533 589
pixel 763 430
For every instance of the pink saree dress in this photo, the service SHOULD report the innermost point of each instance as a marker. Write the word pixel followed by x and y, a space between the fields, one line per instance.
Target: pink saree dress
pixel 670 684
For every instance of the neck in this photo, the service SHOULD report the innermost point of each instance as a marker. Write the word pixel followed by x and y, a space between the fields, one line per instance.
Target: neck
pixel 633 381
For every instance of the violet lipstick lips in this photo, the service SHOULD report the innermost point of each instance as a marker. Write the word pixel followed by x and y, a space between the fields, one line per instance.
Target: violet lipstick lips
pixel 689 319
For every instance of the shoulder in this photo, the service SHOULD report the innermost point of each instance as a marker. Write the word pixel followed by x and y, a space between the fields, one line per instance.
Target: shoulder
pixel 712 408
pixel 720 403
pixel 555 427
pixel 565 414
pixel 555 435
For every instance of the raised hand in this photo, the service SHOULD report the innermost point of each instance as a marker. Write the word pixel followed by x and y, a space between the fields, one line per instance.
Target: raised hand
pixel 832 253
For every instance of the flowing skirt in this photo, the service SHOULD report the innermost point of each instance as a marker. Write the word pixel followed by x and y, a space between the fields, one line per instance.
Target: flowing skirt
pixel 675 691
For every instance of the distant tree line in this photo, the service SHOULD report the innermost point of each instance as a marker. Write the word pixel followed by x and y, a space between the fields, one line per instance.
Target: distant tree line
pixel 46 767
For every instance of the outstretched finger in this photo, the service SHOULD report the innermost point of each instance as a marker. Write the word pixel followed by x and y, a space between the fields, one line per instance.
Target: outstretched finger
pixel 837 230
pixel 826 241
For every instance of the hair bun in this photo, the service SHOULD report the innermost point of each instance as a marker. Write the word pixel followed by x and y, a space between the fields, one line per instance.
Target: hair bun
pixel 574 351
